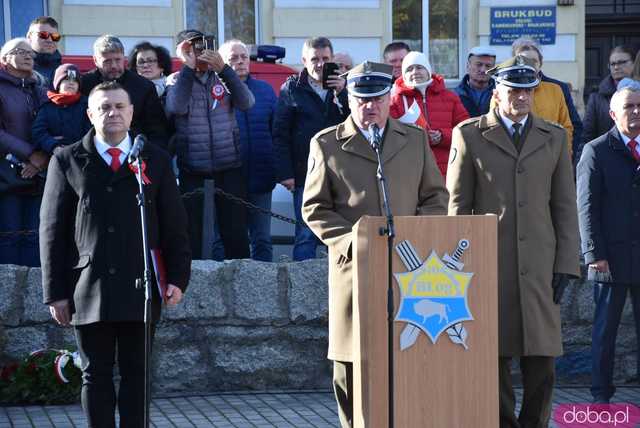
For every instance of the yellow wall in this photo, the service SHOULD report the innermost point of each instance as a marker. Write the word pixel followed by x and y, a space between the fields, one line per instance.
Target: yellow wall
pixel 349 27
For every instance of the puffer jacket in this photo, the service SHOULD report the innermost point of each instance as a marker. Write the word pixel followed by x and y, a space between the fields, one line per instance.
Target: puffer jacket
pixel 19 103
pixel 465 92
pixel 442 111
pixel 300 115
pixel 596 118
pixel 206 138
pixel 58 125
pixel 573 114
pixel 255 127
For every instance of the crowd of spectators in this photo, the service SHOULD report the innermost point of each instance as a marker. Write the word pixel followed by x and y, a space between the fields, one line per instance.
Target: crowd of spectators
pixel 221 123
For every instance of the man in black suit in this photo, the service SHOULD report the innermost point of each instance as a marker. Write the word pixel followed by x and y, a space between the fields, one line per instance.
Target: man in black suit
pixel 609 213
pixel 148 114
pixel 91 252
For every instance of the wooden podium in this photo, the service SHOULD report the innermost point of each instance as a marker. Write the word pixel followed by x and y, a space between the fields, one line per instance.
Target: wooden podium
pixel 436 385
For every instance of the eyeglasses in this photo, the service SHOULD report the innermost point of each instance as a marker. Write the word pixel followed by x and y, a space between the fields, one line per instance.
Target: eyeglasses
pixel 143 62
pixel 23 53
pixel 44 35
pixel 619 63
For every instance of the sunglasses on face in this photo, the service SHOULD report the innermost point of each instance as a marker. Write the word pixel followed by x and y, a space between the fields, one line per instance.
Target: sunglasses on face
pixel 44 35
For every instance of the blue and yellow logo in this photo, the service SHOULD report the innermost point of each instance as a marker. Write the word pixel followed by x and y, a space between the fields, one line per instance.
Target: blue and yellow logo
pixel 434 297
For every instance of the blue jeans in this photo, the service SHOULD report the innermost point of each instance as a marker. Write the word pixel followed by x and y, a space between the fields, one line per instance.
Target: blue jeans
pixel 609 300
pixel 260 228
pixel 305 243
pixel 19 212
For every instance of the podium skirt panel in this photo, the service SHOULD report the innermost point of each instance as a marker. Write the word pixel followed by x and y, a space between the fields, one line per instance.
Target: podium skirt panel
pixel 538 378
pixel 343 390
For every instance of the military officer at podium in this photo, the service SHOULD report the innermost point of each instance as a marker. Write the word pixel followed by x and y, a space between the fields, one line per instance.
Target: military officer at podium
pixel 513 164
pixel 341 187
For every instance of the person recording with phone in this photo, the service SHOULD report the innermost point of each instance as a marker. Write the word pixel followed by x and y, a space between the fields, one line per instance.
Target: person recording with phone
pixel 309 102
pixel 201 99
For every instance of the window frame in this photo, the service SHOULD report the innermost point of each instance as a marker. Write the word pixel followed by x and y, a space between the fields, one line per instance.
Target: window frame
pixel 220 16
pixel 462 37
pixel 6 18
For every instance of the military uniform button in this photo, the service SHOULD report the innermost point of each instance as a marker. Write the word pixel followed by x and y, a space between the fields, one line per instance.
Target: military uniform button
pixel 520 170
pixel 112 271
pixel 109 189
pixel 111 229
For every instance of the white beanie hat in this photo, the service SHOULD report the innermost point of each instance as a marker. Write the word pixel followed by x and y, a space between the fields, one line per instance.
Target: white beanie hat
pixel 413 58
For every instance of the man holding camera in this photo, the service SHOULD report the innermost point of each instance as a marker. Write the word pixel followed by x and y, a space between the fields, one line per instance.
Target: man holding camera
pixel 202 99
pixel 308 103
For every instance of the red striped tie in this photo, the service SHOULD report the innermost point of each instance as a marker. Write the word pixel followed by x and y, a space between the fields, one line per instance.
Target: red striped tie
pixel 114 152
pixel 633 146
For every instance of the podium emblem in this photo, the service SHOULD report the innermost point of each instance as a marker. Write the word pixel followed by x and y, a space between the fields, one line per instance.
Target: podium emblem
pixel 433 295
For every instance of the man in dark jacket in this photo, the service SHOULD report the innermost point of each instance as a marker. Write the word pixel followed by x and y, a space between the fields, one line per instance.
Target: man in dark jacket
pixel 476 87
pixel 597 119
pixel 43 37
pixel 609 215
pixel 202 99
pixel 148 116
pixel 305 108
pixel 255 127
pixel 91 252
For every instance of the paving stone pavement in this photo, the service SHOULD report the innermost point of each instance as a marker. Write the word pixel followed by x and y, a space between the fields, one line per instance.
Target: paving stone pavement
pixel 293 409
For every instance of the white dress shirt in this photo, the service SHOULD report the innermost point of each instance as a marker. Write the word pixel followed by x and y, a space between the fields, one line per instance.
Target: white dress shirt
pixel 102 147
pixel 626 140
pixel 509 123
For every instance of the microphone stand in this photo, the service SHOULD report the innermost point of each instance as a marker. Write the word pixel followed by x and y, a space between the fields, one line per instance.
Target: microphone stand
pixel 389 231
pixel 146 280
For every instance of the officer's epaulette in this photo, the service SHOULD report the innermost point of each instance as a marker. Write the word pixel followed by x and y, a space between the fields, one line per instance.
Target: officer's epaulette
pixel 470 121
pixel 413 125
pixel 556 124
pixel 326 131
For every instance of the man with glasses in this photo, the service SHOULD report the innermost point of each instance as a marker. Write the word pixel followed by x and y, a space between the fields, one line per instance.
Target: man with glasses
pixel 597 119
pixel 341 187
pixel 43 37
pixel 148 115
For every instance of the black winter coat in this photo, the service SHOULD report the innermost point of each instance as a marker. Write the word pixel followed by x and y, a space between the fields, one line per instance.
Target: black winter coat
pixel 90 239
pixel 609 206
pixel 596 118
pixel 300 114
pixel 148 115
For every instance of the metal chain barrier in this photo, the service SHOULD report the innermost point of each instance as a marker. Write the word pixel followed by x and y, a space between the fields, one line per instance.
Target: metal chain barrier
pixel 246 204
pixel 196 192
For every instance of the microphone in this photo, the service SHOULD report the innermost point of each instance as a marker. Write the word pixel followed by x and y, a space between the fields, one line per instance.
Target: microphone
pixel 374 137
pixel 138 146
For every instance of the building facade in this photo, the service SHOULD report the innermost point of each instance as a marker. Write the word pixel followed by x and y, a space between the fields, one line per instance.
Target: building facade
pixel 445 29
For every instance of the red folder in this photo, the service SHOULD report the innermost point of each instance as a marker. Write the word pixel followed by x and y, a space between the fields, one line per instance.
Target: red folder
pixel 160 271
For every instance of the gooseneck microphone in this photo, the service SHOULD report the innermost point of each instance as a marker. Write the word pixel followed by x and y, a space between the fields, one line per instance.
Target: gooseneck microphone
pixel 374 137
pixel 138 146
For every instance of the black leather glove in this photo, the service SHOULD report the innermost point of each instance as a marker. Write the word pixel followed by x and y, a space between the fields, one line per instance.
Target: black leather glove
pixel 559 283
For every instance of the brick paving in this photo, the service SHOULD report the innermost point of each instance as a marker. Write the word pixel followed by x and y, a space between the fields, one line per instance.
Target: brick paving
pixel 242 410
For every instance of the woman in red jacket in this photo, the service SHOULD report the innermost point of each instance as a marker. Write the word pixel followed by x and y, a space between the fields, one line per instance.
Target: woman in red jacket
pixel 421 98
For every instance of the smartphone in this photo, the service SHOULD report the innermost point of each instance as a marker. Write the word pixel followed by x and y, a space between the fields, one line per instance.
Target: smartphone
pixel 328 69
pixel 210 43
